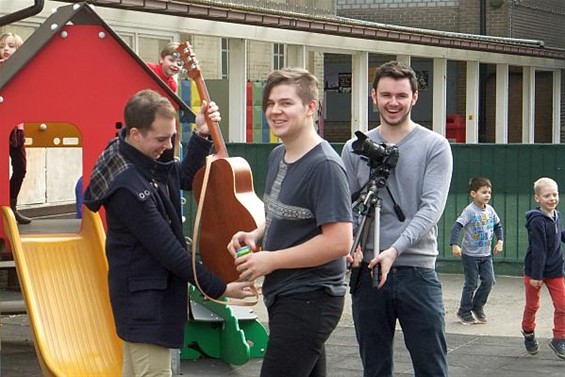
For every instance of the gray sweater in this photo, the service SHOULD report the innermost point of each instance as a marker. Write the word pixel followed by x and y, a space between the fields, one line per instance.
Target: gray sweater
pixel 419 184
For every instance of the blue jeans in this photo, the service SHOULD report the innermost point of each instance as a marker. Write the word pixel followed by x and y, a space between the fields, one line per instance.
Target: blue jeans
pixel 476 268
pixel 413 296
pixel 299 325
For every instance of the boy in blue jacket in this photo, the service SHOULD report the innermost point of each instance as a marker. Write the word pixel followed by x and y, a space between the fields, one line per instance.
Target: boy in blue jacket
pixel 543 264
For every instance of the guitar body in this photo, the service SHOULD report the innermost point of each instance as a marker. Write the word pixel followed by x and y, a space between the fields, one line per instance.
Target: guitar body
pixel 230 205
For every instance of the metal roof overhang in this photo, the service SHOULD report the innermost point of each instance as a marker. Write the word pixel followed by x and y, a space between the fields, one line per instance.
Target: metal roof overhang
pixel 333 34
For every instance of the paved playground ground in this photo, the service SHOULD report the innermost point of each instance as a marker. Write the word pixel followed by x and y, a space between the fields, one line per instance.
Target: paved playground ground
pixel 491 349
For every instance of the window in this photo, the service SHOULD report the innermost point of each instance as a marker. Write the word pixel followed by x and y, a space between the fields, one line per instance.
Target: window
pixel 225 58
pixel 278 55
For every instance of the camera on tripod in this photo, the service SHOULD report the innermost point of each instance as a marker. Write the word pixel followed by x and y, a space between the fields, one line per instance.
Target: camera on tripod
pixel 382 158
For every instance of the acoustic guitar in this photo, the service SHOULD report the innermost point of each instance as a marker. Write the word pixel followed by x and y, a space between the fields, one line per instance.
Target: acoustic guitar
pixel 230 203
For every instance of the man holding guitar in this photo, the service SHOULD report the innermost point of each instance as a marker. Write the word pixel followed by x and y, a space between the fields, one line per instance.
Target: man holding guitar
pixel 149 264
pixel 306 234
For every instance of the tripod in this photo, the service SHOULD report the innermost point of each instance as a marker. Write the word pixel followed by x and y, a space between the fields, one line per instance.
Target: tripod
pixel 371 207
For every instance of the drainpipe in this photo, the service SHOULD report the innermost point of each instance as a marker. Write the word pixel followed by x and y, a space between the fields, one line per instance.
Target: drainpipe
pixel 23 13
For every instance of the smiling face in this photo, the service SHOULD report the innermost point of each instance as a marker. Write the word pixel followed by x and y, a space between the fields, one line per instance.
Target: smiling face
pixel 156 140
pixel 547 196
pixel 394 99
pixel 286 114
pixel 169 65
pixel 150 123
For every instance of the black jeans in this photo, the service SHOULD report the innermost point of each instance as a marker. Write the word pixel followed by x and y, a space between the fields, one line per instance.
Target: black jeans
pixel 19 165
pixel 299 325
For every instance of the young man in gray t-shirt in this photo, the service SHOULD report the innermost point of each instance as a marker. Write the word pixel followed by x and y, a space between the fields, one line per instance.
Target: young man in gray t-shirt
pixel 306 235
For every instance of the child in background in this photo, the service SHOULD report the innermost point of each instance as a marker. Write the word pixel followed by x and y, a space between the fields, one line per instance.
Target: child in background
pixel 544 264
pixel 480 223
pixel 9 43
pixel 167 67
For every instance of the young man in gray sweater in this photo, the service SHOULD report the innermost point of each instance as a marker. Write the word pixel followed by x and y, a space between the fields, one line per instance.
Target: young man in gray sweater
pixel 408 288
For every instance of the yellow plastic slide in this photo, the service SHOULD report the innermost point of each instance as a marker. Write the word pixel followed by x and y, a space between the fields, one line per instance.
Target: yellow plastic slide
pixel 64 283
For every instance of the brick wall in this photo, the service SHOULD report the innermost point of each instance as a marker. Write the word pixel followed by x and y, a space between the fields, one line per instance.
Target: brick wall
pixel 415 13
pixel 458 16
pixel 539 24
pixel 261 56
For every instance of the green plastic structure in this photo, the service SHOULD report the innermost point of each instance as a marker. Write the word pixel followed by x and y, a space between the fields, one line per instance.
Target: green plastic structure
pixel 230 333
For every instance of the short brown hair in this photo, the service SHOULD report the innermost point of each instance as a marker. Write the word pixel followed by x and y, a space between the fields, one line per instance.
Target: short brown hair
pixel 305 82
pixel 476 183
pixel 143 107
pixel 396 70
pixel 169 49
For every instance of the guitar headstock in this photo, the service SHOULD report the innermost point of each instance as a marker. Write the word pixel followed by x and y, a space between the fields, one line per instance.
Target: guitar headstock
pixel 189 64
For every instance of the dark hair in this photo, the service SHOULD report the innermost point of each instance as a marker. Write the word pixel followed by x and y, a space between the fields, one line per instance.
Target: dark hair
pixel 397 71
pixel 142 109
pixel 476 183
pixel 305 82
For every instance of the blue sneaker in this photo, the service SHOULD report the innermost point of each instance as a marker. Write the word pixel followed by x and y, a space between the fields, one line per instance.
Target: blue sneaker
pixel 558 346
pixel 480 315
pixel 466 318
pixel 531 343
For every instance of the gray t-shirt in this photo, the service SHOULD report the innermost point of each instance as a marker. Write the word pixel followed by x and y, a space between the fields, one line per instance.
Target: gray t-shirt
pixel 299 198
pixel 478 224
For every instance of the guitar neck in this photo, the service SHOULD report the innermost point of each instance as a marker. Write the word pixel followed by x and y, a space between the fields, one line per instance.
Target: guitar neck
pixel 213 127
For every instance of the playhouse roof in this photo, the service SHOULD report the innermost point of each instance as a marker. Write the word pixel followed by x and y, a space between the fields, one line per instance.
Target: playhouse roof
pixel 76 14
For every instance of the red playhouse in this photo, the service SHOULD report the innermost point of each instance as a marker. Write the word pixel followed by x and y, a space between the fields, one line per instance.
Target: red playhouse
pixel 74 74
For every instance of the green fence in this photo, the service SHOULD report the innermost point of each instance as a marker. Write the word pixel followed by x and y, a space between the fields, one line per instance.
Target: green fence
pixel 512 168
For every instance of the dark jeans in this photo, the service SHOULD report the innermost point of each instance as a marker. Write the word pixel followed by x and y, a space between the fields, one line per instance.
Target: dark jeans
pixel 476 268
pixel 413 296
pixel 299 325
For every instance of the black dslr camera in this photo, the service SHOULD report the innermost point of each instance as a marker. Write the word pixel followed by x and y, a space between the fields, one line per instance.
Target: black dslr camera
pixel 382 158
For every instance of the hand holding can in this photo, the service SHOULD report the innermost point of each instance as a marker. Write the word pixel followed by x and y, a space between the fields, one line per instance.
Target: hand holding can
pixel 244 250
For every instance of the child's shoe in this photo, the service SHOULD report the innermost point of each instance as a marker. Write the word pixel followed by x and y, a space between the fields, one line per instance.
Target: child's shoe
pixel 558 346
pixel 531 343
pixel 480 315
pixel 466 318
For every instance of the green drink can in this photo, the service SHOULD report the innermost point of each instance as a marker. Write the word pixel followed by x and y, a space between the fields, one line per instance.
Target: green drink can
pixel 243 251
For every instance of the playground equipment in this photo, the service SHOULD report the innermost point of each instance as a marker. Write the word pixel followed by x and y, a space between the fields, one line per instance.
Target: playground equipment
pixel 63 278
pixel 230 333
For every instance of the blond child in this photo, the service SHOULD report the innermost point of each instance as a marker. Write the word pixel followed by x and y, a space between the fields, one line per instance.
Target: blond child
pixel 543 264
pixel 9 43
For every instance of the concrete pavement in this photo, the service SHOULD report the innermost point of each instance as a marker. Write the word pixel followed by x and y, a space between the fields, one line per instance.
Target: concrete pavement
pixel 491 349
